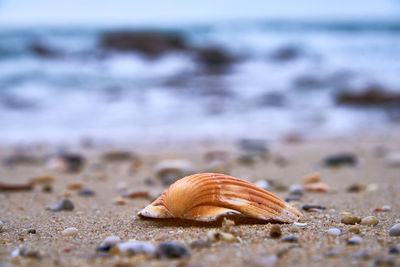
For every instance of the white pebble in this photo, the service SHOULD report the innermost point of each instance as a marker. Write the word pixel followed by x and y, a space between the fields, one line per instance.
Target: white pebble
pixel 135 247
pixel 111 240
pixel 395 230
pixel 15 253
pixel 263 184
pixel 355 240
pixel 300 224
pixel 334 231
pixel 72 231
pixel 386 208
pixel 296 189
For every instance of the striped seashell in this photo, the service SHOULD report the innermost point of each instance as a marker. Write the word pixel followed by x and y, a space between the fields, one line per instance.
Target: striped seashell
pixel 207 196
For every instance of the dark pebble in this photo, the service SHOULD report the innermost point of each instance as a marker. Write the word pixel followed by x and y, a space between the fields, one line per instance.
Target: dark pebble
pixel 290 239
pixel 32 231
pixel 310 206
pixel 171 250
pixel 275 231
pixel 86 192
pixel 64 205
pixel 200 244
pixel 394 250
pixel 103 248
pixel 293 197
pixel 340 160
pixel 29 253
pixel 47 188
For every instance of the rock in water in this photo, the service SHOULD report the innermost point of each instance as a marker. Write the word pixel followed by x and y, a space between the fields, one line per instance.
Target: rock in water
pixel 171 250
pixel 64 205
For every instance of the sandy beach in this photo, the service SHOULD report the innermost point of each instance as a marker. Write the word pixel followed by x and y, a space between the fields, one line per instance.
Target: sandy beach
pixel 99 216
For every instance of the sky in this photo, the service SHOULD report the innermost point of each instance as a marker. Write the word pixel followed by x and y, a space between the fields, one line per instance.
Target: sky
pixel 67 12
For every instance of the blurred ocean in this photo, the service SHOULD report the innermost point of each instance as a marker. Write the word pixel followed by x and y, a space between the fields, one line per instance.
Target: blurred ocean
pixel 59 84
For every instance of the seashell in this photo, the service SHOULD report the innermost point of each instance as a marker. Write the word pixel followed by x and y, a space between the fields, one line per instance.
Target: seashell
pixel 207 196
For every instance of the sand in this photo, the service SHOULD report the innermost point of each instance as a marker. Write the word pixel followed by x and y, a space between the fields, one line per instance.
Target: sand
pixel 98 216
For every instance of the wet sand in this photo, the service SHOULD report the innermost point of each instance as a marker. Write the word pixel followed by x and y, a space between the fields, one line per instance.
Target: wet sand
pixel 98 216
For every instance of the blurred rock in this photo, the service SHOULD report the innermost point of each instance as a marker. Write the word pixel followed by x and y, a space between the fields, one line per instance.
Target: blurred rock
pixel 339 160
pixel 66 162
pixel 150 43
pixel 253 147
pixel 373 95
pixel 272 99
pixel 169 171
pixel 43 50
pixel 214 59
pixel 286 53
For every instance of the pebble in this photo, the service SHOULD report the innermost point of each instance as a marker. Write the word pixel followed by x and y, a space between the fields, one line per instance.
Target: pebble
pixel 290 239
pixel 136 247
pixel 393 160
pixel 386 208
pixel 275 231
pixel 264 184
pixel 111 240
pixel 355 240
pixel 395 230
pixel 294 197
pixel 369 220
pixel 363 255
pixel 216 236
pixel 169 171
pixel 311 178
pixel 32 231
pixel 71 231
pixel 86 192
pixel 339 160
pixel 300 224
pixel 117 155
pixel 200 244
pixel 312 207
pixel 394 250
pixel 75 186
pixel 119 201
pixel 296 189
pixel 1 226
pixel 171 250
pixel 66 162
pixel 27 253
pixel 351 219
pixel 64 205
pixel 47 188
pixel 334 231
pixel 354 229
pixel 104 248
pixel 137 194
pixel 317 187
pixel 356 188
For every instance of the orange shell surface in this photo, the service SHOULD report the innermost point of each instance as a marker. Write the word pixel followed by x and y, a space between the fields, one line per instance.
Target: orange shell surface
pixel 207 196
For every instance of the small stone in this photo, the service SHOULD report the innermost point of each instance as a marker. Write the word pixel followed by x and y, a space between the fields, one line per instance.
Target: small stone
pixel 105 248
pixel 290 239
pixel 223 236
pixel 32 231
pixel 1 226
pixel 300 224
pixel 356 188
pixel 386 208
pixel 363 255
pixel 200 244
pixel 339 160
pixel 171 250
pixel 296 189
pixel 394 250
pixel 111 240
pixel 135 247
pixel 71 231
pixel 369 220
pixel 119 201
pixel 312 206
pixel 75 186
pixel 64 205
pixel 29 253
pixel 275 231
pixel 264 184
pixel 86 192
pixel 137 194
pixel 66 193
pixel 317 187
pixel 393 160
pixel 395 230
pixel 372 187
pixel 295 197
pixel 351 219
pixel 169 171
pixel 334 231
pixel 47 188
pixel 311 178
pixel 355 240
pixel 354 229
